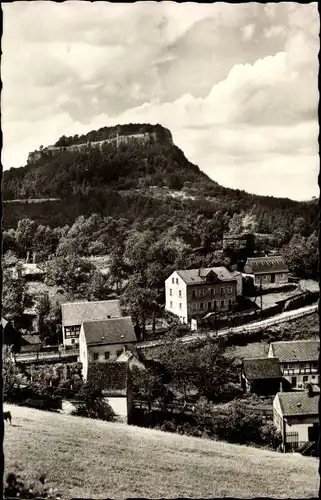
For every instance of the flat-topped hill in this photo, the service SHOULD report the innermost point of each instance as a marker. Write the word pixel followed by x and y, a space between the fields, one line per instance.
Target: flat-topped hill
pixel 94 459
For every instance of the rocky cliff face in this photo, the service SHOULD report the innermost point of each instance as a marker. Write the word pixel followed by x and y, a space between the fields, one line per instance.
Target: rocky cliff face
pixel 155 135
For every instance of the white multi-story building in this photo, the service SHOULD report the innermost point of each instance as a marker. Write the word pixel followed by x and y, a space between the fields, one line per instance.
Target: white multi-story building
pixel 192 293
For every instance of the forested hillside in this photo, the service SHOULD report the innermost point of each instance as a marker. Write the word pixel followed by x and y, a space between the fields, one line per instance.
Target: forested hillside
pixel 148 210
pixel 117 181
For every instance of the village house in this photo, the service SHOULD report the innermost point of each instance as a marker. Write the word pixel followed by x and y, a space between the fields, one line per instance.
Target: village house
pixel 192 293
pixel 261 376
pixel 298 361
pixel 29 271
pixel 104 341
pixel 296 416
pixel 266 271
pixel 75 313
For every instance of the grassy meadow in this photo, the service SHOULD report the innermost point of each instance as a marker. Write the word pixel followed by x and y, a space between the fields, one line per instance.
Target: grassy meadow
pixel 94 459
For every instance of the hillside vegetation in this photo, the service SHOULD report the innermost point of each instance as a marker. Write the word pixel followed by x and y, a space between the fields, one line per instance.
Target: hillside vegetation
pixel 95 459
pixel 115 181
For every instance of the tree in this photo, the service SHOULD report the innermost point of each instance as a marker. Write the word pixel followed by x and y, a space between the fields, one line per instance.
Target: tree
pixel 25 235
pixel 301 256
pixel 236 423
pixel 97 287
pixel 70 273
pixel 12 376
pixel 14 297
pixel 43 311
pixel 140 301
pixel 147 385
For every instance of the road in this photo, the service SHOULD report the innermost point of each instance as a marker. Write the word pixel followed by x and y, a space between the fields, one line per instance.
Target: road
pixel 251 327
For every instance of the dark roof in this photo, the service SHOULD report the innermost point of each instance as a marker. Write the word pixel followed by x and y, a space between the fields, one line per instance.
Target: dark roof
pixel 111 377
pixel 296 350
pixel 262 265
pixel 198 276
pixel 299 403
pixel 75 313
pixel 261 368
pixel 109 331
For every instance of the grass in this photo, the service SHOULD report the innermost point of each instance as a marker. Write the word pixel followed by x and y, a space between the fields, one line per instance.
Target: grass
pixel 95 459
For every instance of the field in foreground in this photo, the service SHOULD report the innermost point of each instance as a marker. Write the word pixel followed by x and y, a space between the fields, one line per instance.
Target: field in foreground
pixel 95 459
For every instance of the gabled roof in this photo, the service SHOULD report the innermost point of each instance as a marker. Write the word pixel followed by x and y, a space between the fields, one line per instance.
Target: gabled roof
pixel 111 377
pixel 109 331
pixel 270 264
pixel 75 313
pixel 261 368
pixel 296 350
pixel 198 276
pixel 299 403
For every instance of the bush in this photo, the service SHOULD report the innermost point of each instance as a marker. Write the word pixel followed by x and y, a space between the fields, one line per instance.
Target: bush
pixel 17 488
pixel 271 436
pixel 91 404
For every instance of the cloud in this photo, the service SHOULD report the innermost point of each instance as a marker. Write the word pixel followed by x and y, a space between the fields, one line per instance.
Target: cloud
pixel 248 31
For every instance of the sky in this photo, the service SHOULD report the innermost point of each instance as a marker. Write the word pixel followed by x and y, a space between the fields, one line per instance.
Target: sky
pixel 237 84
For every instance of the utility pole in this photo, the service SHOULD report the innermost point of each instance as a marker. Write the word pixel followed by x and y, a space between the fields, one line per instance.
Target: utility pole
pixel 261 297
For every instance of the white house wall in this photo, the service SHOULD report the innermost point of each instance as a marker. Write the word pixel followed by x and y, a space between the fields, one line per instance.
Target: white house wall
pixel 176 297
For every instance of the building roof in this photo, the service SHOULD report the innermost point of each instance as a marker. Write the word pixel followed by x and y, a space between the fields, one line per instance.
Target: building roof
pixel 198 276
pixel 261 368
pixel 75 313
pixel 29 268
pixel 109 331
pixel 296 350
pixel 111 377
pixel 270 264
pixel 299 403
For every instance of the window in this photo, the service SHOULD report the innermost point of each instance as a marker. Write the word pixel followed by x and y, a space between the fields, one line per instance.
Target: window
pixel 209 306
pixel 72 341
pixel 222 303
pixel 201 305
pixel 305 378
pixel 215 305
pixel 95 356
pixel 180 305
pixel 170 292
pixel 230 303
pixel 118 353
pixel 194 307
pixel 212 291
pixel 107 353
pixel 171 304
pixel 180 293
pixel 176 281
pixel 173 281
pixel 72 331
pixel 264 277
pixel 193 294
pixel 222 290
pixel 229 289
